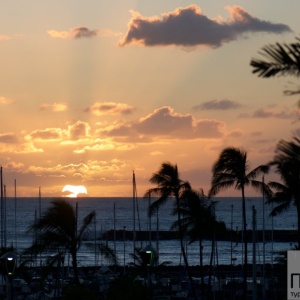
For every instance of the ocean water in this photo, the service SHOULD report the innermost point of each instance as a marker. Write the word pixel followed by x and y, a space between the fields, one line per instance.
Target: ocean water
pixel 21 213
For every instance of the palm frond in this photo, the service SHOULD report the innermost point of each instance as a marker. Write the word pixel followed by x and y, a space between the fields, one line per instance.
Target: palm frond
pixel 262 188
pixel 279 60
pixel 279 187
pixel 156 205
pixel 88 219
pixel 108 253
pixel 220 186
pixel 280 208
pixel 262 169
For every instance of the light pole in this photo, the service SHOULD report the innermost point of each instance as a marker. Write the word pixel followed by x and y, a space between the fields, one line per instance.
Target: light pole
pixel 149 254
pixel 10 260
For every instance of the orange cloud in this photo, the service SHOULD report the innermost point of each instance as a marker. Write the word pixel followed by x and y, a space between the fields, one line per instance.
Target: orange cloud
pixel 12 165
pixel 4 37
pixel 19 148
pixel 59 34
pixel 99 170
pixel 4 100
pixel 55 107
pixel 74 132
pixel 46 134
pixel 189 27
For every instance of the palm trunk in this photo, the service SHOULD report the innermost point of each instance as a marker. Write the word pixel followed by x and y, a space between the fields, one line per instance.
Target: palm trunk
pixel 74 265
pixel 245 245
pixel 74 248
pixel 211 265
pixel 201 267
pixel 183 250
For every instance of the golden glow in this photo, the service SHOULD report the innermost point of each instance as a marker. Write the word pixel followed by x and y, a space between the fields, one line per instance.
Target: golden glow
pixel 74 190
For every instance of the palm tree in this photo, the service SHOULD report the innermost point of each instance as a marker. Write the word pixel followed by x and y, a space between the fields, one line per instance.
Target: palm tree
pixel 287 165
pixel 56 231
pixel 169 185
pixel 232 169
pixel 198 221
pixel 280 59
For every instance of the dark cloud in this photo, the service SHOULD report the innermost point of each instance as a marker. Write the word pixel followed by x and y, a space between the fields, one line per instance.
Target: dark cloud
pixel 235 134
pixel 113 108
pixel 9 138
pixel 189 27
pixel 223 104
pixel 263 113
pixel 256 133
pixel 83 32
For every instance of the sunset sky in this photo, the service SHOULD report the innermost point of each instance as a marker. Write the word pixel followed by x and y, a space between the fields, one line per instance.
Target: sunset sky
pixel 92 90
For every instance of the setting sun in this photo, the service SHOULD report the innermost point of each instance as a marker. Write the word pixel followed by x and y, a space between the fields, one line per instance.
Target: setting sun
pixel 74 190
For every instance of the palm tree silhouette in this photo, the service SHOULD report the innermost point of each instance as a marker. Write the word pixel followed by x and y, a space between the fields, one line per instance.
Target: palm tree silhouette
pixel 287 165
pixel 56 231
pixel 169 185
pixel 198 221
pixel 232 169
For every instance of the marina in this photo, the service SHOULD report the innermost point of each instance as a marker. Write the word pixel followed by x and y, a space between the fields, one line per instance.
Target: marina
pixel 114 226
pixel 280 238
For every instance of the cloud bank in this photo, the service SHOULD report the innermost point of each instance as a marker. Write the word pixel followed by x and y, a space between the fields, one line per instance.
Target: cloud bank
pixel 165 123
pixel 189 27
pixel 75 131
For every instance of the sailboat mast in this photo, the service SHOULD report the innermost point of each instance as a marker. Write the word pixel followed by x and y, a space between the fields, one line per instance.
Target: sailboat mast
pixel 16 236
pixel 5 229
pixel 264 240
pixel 115 228
pixel 40 203
pixel 2 216
pixel 150 227
pixel 254 252
pixel 157 236
pixel 95 239
pixel 134 207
